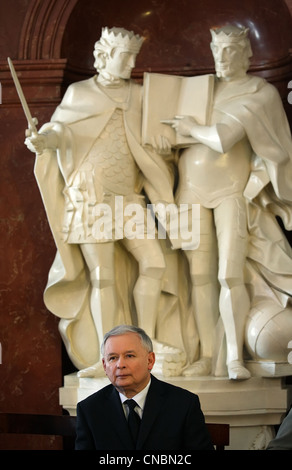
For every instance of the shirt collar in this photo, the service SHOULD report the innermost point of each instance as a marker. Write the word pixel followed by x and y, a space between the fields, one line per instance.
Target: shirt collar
pixel 140 398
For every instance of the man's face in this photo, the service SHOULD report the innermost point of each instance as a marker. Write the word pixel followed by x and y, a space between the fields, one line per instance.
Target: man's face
pixel 127 363
pixel 230 60
pixel 121 63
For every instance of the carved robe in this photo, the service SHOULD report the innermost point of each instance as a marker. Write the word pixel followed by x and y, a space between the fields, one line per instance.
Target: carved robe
pixel 80 118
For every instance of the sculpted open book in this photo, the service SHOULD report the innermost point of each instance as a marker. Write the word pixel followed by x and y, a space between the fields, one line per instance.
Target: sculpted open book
pixel 167 96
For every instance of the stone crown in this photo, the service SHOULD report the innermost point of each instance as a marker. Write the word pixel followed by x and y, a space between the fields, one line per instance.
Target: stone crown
pixel 231 34
pixel 119 37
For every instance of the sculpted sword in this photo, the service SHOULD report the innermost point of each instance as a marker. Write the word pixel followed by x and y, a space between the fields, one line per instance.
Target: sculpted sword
pixel 31 121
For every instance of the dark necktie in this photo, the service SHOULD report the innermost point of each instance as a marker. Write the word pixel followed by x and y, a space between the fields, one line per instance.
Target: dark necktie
pixel 133 419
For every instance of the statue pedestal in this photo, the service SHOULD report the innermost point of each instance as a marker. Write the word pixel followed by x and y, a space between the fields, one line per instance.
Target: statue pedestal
pixel 251 407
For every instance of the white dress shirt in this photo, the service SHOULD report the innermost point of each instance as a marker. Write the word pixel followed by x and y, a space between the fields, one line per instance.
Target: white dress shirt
pixel 140 399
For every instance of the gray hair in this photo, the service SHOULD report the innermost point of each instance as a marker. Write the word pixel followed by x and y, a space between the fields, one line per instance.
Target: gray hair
pixel 124 329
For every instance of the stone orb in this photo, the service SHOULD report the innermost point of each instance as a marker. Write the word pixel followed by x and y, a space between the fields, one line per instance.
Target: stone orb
pixel 268 332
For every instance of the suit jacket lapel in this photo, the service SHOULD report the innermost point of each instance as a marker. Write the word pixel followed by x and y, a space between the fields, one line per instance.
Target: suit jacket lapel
pixel 153 404
pixel 117 420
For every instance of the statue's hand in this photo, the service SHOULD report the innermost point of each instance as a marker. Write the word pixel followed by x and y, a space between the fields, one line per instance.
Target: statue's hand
pixel 37 143
pixel 161 145
pixel 183 125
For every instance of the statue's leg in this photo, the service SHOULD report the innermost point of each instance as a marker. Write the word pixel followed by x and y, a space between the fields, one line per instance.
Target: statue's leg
pixel 203 264
pixel 147 289
pixel 234 303
pixel 99 258
pixel 234 306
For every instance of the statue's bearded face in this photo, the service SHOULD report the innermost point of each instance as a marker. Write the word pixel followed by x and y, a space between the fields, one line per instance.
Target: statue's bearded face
pixel 231 59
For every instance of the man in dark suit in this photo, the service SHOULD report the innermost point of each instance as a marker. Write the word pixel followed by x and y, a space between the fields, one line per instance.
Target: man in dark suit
pixel 169 417
pixel 283 438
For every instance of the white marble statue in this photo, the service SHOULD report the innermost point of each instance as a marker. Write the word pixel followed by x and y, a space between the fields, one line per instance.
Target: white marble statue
pixel 90 164
pixel 239 168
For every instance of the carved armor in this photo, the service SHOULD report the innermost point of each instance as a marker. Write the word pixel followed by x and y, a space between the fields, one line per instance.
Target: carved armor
pixel 109 170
